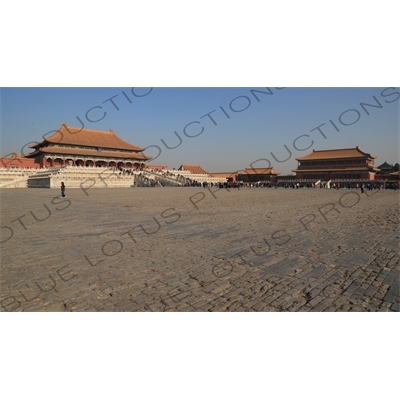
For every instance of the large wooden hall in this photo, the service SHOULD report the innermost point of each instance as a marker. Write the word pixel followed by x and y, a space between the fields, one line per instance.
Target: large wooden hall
pixel 338 164
pixel 71 146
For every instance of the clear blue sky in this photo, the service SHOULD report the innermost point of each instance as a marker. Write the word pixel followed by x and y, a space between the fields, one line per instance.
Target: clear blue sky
pixel 234 143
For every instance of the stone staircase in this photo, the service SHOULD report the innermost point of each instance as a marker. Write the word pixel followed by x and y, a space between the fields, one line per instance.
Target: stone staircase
pixel 158 178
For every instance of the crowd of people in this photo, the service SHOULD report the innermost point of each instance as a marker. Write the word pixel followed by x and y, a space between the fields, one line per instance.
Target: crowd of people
pixel 339 185
pixel 188 182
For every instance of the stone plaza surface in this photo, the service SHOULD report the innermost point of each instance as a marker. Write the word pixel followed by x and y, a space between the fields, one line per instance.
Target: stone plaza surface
pixel 195 249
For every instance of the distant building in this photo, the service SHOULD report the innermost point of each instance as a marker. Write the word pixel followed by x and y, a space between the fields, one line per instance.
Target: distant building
pixel 86 148
pixel 254 175
pixel 196 173
pixel 339 164
pixel 17 161
pixel 394 178
pixel 385 169
pixel 248 175
pixel 157 167
pixel 194 169
pixel 388 174
pixel 225 176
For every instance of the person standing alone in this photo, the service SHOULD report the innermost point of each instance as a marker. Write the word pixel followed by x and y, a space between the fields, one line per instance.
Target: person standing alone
pixel 63 190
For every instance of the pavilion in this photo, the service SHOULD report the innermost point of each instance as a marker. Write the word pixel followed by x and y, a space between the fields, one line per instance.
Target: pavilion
pixel 71 146
pixel 338 164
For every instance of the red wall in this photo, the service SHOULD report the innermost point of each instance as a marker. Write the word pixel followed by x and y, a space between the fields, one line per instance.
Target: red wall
pixel 18 163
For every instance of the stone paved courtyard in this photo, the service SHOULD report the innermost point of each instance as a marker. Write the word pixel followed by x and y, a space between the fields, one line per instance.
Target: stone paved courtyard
pixel 195 249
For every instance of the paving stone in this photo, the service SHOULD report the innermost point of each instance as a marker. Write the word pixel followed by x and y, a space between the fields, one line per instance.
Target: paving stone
pixel 85 259
pixel 396 306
